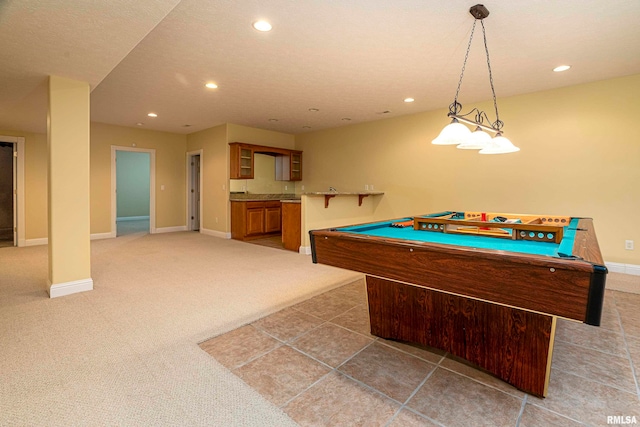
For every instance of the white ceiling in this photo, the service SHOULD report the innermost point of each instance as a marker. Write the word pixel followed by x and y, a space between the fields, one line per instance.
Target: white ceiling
pixel 348 58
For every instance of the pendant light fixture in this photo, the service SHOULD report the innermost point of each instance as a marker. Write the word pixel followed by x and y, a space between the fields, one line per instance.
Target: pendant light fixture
pixel 455 133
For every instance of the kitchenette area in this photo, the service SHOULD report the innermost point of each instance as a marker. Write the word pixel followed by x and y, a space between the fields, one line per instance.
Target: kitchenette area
pixel 270 207
pixel 263 196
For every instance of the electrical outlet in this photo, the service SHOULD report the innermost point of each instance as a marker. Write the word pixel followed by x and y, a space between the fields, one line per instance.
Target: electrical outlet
pixel 371 187
pixel 366 187
pixel 628 245
pixel 286 187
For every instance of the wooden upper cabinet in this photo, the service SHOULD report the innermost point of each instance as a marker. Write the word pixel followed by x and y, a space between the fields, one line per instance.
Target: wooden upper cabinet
pixel 288 162
pixel 241 161
pixel 295 166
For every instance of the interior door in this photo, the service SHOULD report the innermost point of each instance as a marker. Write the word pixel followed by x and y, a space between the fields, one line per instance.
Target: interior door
pixel 195 193
pixel 7 194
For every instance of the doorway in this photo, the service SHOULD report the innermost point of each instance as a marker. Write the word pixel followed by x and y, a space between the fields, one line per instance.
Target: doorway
pixel 194 185
pixel 133 191
pixel 7 194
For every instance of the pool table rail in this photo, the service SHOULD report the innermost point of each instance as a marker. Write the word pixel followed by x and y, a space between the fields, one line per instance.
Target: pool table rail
pixel 555 286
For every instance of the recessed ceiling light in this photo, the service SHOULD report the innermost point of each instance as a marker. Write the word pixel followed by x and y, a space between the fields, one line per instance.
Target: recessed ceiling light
pixel 152 115
pixel 139 124
pixel 409 100
pixel 306 127
pixel 273 120
pixel 212 86
pixel 314 110
pixel 186 126
pixel 346 119
pixel 262 26
pixel 562 68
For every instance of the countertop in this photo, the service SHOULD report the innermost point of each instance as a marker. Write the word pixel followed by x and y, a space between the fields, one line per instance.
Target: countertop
pixel 249 197
pixel 343 193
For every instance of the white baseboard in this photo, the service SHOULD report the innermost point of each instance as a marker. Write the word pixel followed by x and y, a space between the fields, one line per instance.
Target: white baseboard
pixel 169 229
pixel 68 288
pixel 616 267
pixel 36 242
pixel 45 240
pixel 98 236
pixel 214 233
pixel 132 218
pixel 305 250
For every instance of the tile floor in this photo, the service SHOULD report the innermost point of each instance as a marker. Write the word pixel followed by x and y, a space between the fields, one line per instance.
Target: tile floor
pixel 269 241
pixel 318 362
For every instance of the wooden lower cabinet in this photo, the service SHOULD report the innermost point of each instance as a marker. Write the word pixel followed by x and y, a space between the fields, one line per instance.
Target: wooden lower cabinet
pixel 273 219
pixel 250 220
pixel 291 223
pixel 255 221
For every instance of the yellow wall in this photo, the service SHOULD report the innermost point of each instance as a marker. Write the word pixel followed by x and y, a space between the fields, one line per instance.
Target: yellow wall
pixel 264 165
pixel 238 133
pixel 342 210
pixel 35 182
pixel 35 186
pixel 68 183
pixel 170 172
pixel 580 156
pixel 264 178
pixel 214 167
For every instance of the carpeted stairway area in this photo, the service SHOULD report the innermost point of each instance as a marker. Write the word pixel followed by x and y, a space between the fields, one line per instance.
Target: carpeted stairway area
pixel 127 352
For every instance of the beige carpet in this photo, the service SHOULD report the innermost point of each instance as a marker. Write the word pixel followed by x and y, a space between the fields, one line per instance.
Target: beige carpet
pixel 126 353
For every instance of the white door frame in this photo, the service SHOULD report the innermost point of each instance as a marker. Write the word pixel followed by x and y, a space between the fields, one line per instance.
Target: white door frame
pixel 152 186
pixel 190 154
pixel 19 204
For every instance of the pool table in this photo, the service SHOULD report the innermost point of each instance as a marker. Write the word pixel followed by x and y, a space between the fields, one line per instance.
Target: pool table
pixel 485 287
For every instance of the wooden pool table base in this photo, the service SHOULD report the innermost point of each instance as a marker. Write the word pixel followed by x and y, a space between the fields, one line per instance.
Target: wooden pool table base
pixel 513 344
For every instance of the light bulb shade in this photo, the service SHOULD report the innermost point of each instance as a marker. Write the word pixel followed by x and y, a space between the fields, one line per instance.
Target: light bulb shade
pixel 499 145
pixel 478 140
pixel 453 134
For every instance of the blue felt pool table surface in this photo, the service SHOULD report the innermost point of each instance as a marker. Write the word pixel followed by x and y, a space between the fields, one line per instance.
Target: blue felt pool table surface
pixel 384 229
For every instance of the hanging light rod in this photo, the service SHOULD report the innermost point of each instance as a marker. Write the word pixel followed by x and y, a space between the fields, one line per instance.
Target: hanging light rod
pixel 455 133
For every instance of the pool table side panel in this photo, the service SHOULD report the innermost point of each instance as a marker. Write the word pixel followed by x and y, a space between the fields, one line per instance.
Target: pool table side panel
pixel 510 343
pixel 522 282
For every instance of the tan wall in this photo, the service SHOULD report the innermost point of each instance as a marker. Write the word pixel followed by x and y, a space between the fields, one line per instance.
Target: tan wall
pixel 238 133
pixel 214 166
pixel 342 210
pixel 36 186
pixel 264 166
pixel 35 182
pixel 264 179
pixel 580 156
pixel 170 172
pixel 68 182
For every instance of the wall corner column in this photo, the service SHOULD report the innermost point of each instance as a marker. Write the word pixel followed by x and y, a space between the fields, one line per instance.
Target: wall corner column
pixel 68 127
